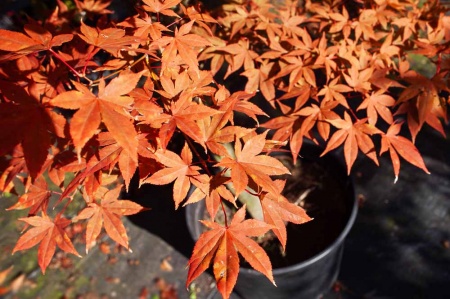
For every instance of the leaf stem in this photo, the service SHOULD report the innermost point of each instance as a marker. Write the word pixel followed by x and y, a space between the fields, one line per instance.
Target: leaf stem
pixel 175 22
pixel 118 71
pixel 205 167
pixel 202 161
pixel 353 114
pixel 56 55
pixel 91 54
pixel 224 213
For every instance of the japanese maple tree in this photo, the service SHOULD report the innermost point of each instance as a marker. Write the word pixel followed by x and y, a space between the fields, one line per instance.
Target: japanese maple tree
pixel 199 98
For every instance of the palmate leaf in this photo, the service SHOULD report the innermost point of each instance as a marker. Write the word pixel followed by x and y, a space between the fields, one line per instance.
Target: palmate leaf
pixel 107 156
pixel 184 115
pixel 144 26
pixel 111 40
pixel 399 145
pixel 258 79
pixel 184 44
pixel 359 79
pixel 37 198
pixel 127 165
pixel 216 133
pixel 378 103
pixel 239 102
pixel 94 6
pixel 354 136
pixel 213 189
pixel 248 163
pixel 178 169
pixel 16 166
pixel 163 7
pixel 109 106
pixel 277 209
pixel 106 213
pixel 38 39
pixel 422 104
pixel 333 91
pixel 49 233
pixel 242 56
pixel 222 244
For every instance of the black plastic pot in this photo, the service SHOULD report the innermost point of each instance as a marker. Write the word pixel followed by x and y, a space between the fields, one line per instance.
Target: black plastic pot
pixel 309 278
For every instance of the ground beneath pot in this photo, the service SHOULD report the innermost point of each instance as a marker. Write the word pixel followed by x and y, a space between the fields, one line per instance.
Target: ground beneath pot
pixel 399 246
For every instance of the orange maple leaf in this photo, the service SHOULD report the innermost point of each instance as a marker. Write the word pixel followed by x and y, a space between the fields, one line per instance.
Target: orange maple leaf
pixel 359 79
pixel 222 244
pixel 38 39
pixel 216 133
pixel 213 189
pixel 247 163
pixel 184 44
pixel 399 145
pixel 106 213
pixel 241 56
pixel 94 6
pixel 109 106
pixel 184 115
pixel 31 123
pixel 127 165
pixel 36 198
pixel 354 136
pixel 258 79
pixel 277 209
pixel 333 92
pixel 178 169
pixel 49 233
pixel 144 26
pixel 163 7
pixel 377 104
pixel 112 40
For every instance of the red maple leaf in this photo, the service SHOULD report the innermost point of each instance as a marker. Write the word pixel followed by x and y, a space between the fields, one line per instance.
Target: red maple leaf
pixel 31 123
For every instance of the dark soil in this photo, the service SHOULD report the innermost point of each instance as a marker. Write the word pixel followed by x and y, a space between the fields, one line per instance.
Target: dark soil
pixel 325 200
